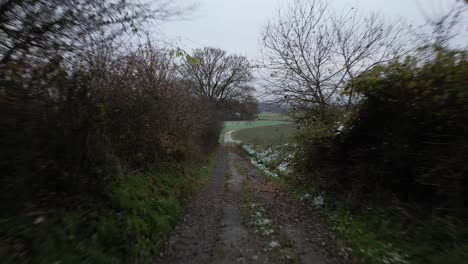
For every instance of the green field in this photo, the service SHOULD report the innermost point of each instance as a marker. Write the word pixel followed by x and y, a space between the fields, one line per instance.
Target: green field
pixel 235 125
pixel 279 128
pixel 267 135
pixel 273 116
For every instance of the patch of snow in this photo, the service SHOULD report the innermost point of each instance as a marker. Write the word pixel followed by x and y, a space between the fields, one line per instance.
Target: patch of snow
pixel 273 244
pixel 39 220
pixel 305 197
pixel 261 222
pixel 279 157
pixel 318 201
pixel 340 128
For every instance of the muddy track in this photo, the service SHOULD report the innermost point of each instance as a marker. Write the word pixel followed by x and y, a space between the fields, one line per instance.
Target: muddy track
pixel 241 218
pixel 311 239
pixel 196 235
pixel 235 242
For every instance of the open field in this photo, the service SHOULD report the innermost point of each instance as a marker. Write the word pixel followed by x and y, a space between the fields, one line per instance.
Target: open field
pixel 267 135
pixel 273 116
pixel 235 125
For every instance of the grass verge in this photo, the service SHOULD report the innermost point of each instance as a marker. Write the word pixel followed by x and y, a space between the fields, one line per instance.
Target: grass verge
pixel 138 214
pixel 273 116
pixel 377 235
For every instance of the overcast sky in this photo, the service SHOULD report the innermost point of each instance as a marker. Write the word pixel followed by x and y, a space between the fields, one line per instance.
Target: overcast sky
pixel 235 25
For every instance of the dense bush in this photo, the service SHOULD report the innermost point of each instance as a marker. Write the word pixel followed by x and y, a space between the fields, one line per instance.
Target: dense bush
pixel 77 135
pixel 415 118
pixel 69 129
pixel 101 141
pixel 394 170
pixel 77 108
pixel 406 140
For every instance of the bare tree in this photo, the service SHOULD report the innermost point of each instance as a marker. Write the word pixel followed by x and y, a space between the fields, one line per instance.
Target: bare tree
pixel 445 23
pixel 216 76
pixel 310 52
pixel 36 27
pixel 364 41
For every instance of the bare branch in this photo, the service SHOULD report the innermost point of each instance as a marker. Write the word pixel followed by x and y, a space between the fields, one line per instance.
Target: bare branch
pixel 311 51
pixel 218 77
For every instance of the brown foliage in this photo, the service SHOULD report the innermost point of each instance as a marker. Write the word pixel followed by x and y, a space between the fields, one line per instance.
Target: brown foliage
pixel 71 129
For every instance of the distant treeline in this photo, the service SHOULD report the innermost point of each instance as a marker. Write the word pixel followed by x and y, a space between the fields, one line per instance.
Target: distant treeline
pixel 273 107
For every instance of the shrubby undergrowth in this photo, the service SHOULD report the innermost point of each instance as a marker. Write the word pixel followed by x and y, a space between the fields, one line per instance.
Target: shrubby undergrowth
pixel 405 139
pixel 128 224
pixel 72 129
pixel 98 149
pixel 400 153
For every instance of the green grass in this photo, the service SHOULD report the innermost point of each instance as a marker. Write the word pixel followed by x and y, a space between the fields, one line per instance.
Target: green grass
pixel 376 235
pixel 267 135
pixel 264 119
pixel 273 116
pixel 237 125
pixel 139 211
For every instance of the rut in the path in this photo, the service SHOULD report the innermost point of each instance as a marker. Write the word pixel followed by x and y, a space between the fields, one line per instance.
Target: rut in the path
pixel 235 244
pixel 196 235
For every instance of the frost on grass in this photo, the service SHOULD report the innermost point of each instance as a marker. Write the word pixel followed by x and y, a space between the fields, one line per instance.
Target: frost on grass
pixel 263 168
pixel 273 161
pixel 249 149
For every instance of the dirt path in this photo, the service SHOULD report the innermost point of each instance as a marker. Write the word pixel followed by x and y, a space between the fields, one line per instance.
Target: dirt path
pixel 235 243
pixel 241 218
pixel 228 138
pixel 195 236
